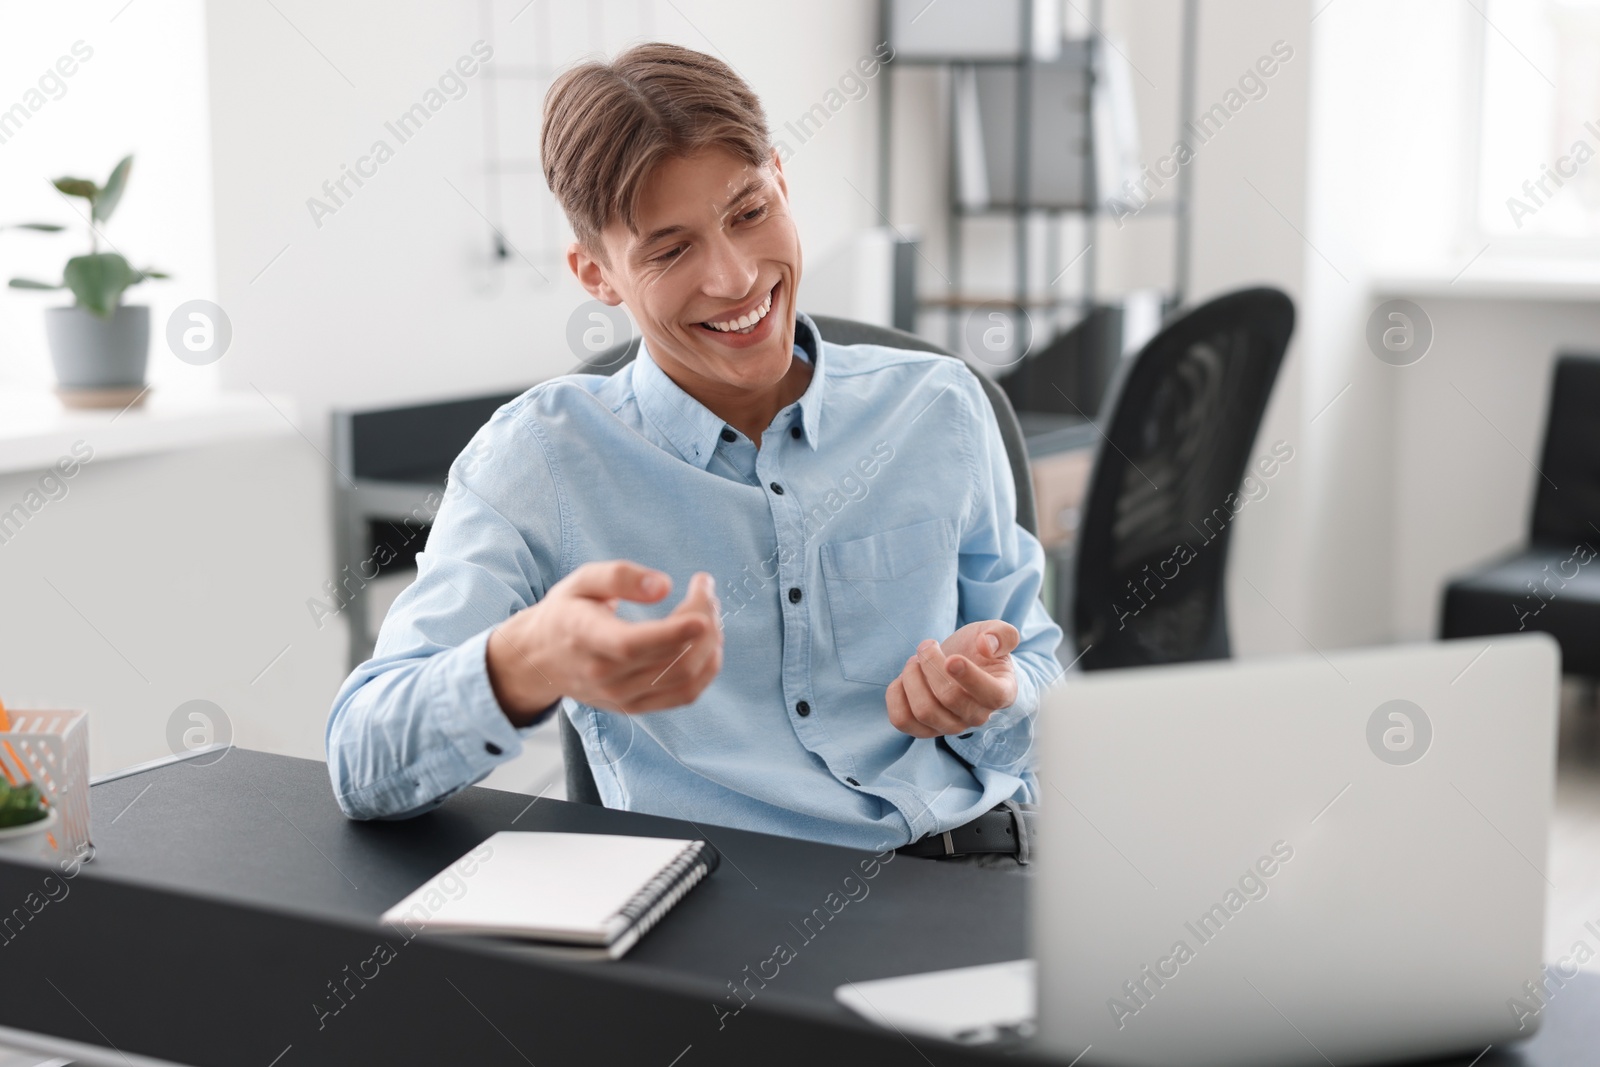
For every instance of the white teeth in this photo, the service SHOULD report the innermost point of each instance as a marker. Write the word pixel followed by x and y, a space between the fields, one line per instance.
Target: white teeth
pixel 745 323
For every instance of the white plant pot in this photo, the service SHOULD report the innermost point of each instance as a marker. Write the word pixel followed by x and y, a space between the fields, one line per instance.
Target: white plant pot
pixel 99 362
pixel 27 841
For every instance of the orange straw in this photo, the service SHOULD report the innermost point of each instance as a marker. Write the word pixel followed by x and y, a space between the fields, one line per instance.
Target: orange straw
pixel 5 724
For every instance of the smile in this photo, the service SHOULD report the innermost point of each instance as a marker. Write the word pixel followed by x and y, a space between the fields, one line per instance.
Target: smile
pixel 747 322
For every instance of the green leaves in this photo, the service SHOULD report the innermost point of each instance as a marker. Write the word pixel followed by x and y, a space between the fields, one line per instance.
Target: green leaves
pixel 20 805
pixel 106 202
pixel 42 227
pixel 78 187
pixel 103 199
pixel 99 279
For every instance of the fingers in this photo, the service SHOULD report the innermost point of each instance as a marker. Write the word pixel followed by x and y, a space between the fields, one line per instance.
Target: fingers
pixel 656 687
pixel 617 579
pixel 900 714
pixel 1005 633
pixel 962 686
pixel 927 705
pixel 662 663
pixel 630 643
pixel 701 598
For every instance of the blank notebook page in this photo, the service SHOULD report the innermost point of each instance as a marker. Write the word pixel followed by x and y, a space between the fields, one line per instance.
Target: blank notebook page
pixel 551 885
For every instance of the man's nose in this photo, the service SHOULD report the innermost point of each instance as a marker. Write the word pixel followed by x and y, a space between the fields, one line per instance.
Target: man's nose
pixel 729 272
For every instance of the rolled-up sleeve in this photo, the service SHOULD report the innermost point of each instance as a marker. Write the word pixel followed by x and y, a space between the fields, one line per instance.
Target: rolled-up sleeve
pixel 419 721
pixel 1000 573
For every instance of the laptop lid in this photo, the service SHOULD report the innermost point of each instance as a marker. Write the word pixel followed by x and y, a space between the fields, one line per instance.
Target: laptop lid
pixel 1311 859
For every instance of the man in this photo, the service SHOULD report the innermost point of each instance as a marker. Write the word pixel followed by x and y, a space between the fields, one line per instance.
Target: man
pixel 854 648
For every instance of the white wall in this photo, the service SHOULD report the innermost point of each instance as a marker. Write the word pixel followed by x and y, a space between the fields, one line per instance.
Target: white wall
pixel 1389 181
pixel 169 578
pixel 1247 236
pixel 394 297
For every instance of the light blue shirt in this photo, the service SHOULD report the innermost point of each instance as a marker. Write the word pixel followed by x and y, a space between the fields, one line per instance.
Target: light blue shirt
pixel 878 512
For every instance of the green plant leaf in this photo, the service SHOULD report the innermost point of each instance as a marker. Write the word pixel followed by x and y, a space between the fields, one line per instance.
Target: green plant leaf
pixel 97 281
pixel 29 283
pixel 106 202
pixel 42 227
pixel 148 273
pixel 21 805
pixel 78 187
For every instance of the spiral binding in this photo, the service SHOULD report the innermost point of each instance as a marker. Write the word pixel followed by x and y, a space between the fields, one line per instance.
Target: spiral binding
pixel 653 900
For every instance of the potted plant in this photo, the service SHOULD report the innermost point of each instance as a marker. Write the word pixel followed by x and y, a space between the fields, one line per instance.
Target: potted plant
pixel 23 818
pixel 98 345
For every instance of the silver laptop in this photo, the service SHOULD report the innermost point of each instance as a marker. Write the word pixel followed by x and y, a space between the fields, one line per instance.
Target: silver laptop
pixel 1290 861
pixel 1301 860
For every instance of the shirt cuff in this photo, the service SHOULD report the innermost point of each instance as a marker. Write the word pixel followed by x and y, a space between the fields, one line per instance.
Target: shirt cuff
pixel 479 735
pixel 1005 742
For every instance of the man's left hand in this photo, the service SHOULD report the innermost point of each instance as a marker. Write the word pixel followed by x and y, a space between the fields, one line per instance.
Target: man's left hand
pixel 953 686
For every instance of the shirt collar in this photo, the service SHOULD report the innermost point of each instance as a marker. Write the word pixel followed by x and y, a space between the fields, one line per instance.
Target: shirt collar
pixel 691 427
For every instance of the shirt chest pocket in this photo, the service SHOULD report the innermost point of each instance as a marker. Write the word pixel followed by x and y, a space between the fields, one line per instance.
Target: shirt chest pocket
pixel 889 592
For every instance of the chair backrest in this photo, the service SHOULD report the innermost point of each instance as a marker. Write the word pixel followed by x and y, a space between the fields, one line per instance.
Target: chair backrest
pixel 1153 537
pixel 1566 501
pixel 580 779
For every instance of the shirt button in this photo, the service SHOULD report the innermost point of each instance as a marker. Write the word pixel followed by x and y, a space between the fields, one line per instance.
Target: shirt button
pixel 729 436
pixel 794 595
pixel 802 709
pixel 853 782
pixel 776 488
pixel 794 431
pixel 491 748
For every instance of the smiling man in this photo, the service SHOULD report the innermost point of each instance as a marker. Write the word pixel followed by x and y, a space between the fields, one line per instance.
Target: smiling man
pixel 776 582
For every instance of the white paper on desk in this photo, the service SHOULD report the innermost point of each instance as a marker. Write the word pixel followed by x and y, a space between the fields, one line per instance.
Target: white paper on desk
pixel 968 1005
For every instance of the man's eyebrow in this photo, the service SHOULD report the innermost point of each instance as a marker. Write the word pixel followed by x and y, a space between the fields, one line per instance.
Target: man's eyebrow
pixel 667 231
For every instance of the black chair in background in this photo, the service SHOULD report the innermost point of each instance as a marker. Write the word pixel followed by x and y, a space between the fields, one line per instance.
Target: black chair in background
pixel 1179 427
pixel 1553 583
pixel 580 778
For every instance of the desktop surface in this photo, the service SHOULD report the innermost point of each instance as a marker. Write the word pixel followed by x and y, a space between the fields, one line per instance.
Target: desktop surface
pixel 226 897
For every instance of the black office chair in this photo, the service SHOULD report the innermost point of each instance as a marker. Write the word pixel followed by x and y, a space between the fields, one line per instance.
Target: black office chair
pixel 1153 539
pixel 580 779
pixel 1553 583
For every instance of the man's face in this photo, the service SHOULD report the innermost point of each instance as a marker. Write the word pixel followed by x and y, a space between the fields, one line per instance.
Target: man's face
pixel 715 247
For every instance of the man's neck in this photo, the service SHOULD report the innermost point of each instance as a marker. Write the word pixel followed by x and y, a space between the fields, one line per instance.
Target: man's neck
pixel 748 411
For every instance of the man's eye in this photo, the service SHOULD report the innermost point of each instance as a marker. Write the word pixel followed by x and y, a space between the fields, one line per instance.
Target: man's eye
pixel 753 214
pixel 669 254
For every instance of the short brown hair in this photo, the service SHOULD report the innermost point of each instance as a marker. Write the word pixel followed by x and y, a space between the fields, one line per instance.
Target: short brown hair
pixel 607 126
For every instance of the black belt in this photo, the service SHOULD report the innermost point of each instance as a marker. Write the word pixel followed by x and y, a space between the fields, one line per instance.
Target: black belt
pixel 1002 829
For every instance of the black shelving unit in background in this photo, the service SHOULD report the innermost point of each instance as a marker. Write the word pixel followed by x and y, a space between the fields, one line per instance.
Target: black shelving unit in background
pixel 1049 304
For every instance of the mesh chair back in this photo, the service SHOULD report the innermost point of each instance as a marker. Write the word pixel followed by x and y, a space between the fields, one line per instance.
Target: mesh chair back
pixel 1566 503
pixel 1153 540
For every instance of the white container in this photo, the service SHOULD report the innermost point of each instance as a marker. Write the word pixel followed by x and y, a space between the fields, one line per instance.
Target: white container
pixel 51 749
pixel 30 841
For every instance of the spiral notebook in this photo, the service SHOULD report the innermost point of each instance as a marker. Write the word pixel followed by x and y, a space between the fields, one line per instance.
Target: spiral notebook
pixel 585 895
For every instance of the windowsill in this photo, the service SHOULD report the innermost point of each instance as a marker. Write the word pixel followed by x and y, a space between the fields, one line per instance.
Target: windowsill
pixel 1491 278
pixel 36 431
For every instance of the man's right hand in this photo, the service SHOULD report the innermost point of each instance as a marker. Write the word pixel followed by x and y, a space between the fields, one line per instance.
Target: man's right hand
pixel 572 644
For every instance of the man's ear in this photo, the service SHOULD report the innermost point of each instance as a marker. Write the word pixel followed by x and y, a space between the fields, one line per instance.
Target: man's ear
pixel 591 274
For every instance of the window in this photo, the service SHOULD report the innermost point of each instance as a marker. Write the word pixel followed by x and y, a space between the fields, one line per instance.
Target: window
pixel 1539 136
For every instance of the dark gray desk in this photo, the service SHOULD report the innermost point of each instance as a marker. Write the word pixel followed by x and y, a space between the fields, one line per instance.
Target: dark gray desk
pixel 226 898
